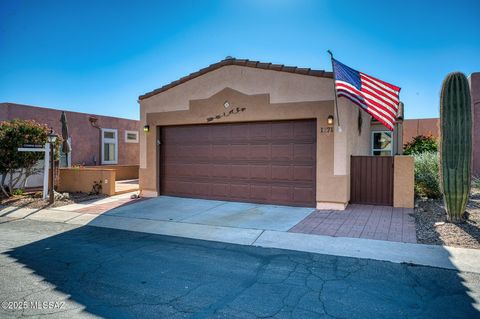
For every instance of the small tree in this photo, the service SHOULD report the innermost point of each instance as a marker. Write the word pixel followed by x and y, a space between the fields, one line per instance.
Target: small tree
pixel 421 144
pixel 15 134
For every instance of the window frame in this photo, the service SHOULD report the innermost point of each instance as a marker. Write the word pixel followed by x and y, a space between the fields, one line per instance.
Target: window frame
pixel 110 141
pixel 373 150
pixel 131 132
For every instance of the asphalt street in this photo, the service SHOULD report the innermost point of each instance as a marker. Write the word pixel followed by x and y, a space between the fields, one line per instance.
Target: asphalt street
pixel 64 271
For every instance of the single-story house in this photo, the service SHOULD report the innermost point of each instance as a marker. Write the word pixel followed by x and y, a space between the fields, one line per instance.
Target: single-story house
pixel 248 131
pixel 95 139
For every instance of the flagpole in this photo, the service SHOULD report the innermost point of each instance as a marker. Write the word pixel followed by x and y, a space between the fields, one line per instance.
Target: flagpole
pixel 335 89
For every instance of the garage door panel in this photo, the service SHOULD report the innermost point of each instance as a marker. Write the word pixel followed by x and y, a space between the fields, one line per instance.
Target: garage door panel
pixel 221 171
pixel 240 171
pixel 199 188
pixel 304 152
pixel 305 131
pixel 260 152
pixel 260 192
pixel 282 130
pixel 239 151
pixel 260 172
pixel 200 169
pixel 265 162
pixel 240 191
pixel 200 152
pixel 282 152
pixel 282 193
pixel 260 131
pixel 303 173
pixel 302 194
pixel 221 152
pixel 282 172
pixel 221 190
pixel 220 133
pixel 239 131
pixel 179 170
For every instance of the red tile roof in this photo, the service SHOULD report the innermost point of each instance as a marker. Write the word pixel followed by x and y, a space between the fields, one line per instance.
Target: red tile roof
pixel 240 62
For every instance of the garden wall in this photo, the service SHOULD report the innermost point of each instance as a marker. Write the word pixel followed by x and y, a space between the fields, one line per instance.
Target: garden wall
pixel 82 180
pixel 123 172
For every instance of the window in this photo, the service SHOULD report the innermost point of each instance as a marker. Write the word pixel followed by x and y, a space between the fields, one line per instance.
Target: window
pixel 109 146
pixel 382 143
pixel 131 137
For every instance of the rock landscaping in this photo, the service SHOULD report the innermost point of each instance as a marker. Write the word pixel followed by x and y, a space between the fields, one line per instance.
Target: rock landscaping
pixel 433 227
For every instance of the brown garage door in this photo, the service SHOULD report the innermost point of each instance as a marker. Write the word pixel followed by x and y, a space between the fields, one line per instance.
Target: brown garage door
pixel 263 162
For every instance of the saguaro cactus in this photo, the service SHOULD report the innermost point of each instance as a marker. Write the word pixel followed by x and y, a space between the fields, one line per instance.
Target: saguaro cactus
pixel 456 144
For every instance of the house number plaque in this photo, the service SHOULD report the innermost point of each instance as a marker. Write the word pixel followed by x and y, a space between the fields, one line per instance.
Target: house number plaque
pixel 326 129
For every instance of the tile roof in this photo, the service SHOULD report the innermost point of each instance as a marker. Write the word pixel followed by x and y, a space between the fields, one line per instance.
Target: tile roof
pixel 240 62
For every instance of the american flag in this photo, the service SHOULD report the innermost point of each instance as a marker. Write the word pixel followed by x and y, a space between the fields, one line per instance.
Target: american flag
pixel 380 99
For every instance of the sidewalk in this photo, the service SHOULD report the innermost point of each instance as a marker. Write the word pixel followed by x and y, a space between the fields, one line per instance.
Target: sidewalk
pixel 462 259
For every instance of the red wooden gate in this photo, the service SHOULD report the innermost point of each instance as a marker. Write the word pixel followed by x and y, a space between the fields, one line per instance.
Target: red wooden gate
pixel 371 180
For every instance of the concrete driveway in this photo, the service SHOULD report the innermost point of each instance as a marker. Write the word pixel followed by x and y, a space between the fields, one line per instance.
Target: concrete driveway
pixel 215 213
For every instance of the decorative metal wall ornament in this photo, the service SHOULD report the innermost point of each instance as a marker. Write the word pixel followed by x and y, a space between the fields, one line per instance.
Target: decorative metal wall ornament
pixel 360 121
pixel 234 110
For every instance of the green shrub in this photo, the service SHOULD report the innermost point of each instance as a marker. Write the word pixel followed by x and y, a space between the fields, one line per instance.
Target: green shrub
pixel 476 182
pixel 427 175
pixel 421 144
pixel 18 191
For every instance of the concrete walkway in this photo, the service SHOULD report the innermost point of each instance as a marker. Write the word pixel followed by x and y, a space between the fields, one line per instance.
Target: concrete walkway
pixel 461 259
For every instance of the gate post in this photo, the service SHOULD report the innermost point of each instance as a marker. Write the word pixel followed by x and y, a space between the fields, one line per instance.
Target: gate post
pixel 403 181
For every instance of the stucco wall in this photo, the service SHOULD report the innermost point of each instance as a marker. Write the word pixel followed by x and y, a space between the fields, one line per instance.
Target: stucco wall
pixel 85 138
pixel 415 127
pixel 82 180
pixel 283 87
pixel 403 182
pixel 266 95
pixel 122 172
pixel 475 91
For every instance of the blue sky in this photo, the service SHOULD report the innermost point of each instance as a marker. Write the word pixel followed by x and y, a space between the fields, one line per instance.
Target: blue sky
pixel 99 56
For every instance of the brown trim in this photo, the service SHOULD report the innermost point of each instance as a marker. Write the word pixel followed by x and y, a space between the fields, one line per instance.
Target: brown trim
pixel 240 62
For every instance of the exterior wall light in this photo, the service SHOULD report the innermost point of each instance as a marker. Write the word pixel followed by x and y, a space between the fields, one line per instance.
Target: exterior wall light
pixel 52 137
pixel 146 128
pixel 330 120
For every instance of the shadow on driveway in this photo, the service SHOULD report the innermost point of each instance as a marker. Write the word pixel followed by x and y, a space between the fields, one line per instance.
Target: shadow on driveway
pixel 116 274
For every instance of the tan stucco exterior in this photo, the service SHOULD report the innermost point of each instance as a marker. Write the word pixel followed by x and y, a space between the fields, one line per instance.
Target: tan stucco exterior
pixel 403 182
pixel 266 95
pixel 83 179
pixel 122 172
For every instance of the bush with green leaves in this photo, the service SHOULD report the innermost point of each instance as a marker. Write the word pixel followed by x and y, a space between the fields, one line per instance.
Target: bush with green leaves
pixel 427 182
pixel 15 165
pixel 421 144
pixel 476 182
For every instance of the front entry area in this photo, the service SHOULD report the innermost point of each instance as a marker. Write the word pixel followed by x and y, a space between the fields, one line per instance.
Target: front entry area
pixel 260 162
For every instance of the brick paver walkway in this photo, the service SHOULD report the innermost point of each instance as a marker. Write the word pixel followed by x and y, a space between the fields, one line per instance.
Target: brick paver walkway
pixel 361 221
